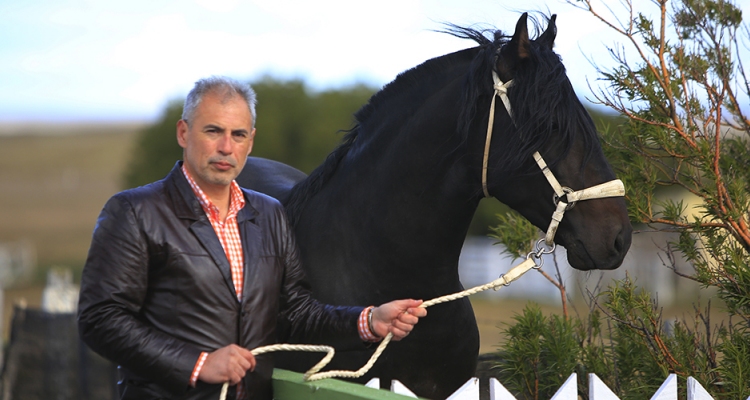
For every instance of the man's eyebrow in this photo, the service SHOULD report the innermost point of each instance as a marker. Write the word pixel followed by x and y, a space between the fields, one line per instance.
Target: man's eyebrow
pixel 213 126
pixel 243 131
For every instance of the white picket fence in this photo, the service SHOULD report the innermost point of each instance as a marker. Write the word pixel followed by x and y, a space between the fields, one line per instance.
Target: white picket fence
pixel 568 391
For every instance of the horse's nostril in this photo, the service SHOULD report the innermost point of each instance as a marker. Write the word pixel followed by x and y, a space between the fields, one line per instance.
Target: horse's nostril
pixel 620 242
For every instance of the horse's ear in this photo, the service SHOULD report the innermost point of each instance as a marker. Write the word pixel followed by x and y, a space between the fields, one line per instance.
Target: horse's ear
pixel 520 41
pixel 547 38
pixel 516 50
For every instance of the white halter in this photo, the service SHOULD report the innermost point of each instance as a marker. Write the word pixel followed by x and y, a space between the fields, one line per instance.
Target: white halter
pixel 613 188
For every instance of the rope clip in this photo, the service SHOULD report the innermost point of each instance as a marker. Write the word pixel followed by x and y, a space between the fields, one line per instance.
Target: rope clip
pixel 540 251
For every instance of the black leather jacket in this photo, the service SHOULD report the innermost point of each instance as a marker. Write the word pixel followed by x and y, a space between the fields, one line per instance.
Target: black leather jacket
pixel 156 291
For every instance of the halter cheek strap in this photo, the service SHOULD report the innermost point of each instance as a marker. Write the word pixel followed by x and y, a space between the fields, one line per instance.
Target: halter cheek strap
pixel 565 197
pixel 501 90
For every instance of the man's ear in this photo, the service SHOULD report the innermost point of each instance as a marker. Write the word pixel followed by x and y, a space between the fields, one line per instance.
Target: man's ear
pixel 182 129
pixel 252 141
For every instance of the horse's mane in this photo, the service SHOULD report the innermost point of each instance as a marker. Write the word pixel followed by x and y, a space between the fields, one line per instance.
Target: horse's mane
pixel 544 104
pixel 403 83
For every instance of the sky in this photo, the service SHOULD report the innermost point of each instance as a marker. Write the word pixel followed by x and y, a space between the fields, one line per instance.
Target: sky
pixel 86 60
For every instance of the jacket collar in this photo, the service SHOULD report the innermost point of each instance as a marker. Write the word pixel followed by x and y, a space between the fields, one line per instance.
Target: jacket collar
pixel 187 206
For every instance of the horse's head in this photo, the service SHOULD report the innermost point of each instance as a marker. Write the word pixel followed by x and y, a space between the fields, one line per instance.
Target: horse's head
pixel 542 113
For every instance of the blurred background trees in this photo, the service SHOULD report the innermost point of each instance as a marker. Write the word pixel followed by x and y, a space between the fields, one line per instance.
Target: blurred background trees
pixel 295 125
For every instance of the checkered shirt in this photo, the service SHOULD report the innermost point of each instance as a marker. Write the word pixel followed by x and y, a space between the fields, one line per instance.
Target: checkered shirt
pixel 227 230
pixel 228 233
pixel 229 236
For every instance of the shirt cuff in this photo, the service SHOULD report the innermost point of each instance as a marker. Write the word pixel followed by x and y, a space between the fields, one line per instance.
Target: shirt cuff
pixel 197 369
pixel 363 326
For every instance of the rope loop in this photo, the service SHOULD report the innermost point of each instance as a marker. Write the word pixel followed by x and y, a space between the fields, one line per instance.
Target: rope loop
pixel 314 373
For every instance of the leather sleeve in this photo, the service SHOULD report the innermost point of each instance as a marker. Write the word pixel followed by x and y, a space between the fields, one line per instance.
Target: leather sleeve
pixel 113 289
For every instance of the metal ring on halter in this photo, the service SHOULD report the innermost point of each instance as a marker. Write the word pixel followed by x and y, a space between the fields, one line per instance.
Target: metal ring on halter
pixel 540 250
pixel 556 198
pixel 538 263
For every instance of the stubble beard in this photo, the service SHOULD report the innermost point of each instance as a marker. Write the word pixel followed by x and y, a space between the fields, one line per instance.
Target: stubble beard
pixel 222 178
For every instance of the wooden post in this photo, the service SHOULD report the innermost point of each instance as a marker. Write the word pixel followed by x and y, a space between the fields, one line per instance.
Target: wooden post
pixel 2 329
pixel 288 385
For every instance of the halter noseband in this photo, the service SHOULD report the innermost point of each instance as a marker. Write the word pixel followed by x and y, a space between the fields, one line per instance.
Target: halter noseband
pixel 565 197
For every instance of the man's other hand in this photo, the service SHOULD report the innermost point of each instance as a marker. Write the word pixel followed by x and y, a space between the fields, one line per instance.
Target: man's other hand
pixel 227 364
pixel 397 317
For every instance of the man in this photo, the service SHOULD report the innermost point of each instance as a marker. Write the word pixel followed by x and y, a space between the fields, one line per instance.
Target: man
pixel 186 275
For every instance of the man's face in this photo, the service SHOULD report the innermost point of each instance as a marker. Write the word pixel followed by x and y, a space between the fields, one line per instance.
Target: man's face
pixel 217 141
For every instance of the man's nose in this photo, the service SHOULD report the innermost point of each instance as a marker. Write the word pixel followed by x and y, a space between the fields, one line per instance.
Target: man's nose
pixel 225 144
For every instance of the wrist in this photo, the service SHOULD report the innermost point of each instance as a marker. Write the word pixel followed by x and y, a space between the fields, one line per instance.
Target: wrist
pixel 365 326
pixel 197 369
pixel 369 322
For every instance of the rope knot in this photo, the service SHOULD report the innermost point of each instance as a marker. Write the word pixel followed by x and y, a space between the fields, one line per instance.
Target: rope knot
pixel 501 89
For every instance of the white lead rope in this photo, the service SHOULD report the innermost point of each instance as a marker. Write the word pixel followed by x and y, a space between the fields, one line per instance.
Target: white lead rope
pixel 313 373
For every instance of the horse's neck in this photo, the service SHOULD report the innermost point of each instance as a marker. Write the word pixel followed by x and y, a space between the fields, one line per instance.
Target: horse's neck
pixel 400 203
pixel 416 180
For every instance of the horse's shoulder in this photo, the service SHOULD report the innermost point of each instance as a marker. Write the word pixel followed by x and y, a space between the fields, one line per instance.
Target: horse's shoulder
pixel 270 177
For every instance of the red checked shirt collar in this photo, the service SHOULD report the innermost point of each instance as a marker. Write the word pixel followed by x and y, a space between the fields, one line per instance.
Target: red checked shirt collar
pixel 227 230
pixel 236 199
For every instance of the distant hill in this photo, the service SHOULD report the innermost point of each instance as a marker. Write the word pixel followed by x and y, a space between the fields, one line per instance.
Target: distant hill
pixel 54 180
pixel 67 128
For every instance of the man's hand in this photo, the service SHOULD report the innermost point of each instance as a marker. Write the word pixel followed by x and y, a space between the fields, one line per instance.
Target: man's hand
pixel 228 364
pixel 397 317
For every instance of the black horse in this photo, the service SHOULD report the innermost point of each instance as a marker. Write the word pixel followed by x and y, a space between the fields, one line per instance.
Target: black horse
pixel 386 215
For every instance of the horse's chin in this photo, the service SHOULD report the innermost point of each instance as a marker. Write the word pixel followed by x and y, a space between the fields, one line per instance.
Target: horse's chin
pixel 583 258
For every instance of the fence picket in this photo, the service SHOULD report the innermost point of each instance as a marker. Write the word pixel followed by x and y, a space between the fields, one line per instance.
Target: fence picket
pixel 668 389
pixel 398 387
pixel 469 391
pixel 695 391
pixel 599 391
pixel 498 391
pixel 568 390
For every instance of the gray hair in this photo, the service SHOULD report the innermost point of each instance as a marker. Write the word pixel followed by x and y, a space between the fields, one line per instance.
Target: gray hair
pixel 223 86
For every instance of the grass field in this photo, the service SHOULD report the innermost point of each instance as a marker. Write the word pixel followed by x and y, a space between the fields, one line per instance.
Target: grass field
pixel 54 180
